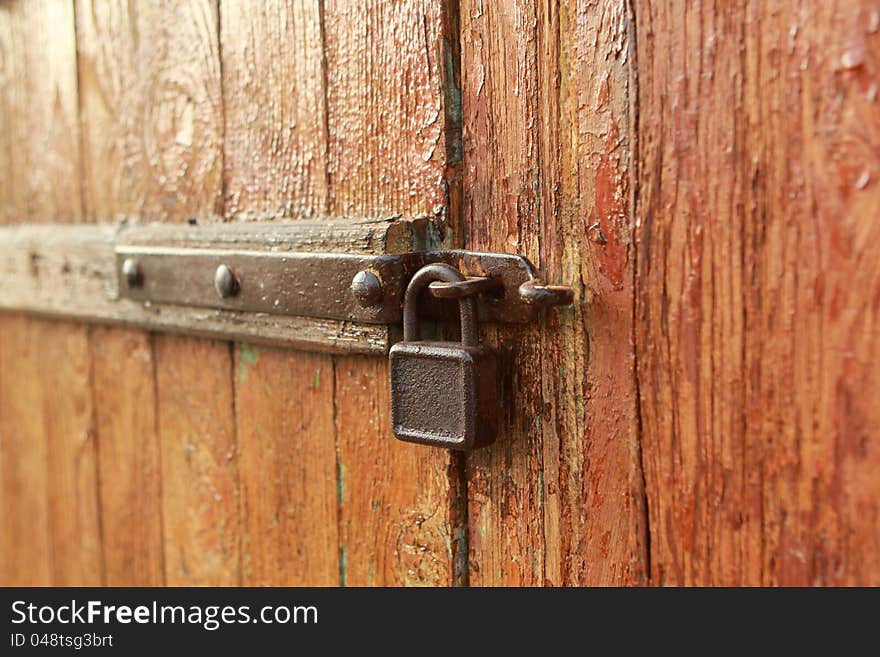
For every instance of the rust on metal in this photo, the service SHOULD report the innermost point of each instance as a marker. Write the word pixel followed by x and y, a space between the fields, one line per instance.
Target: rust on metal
pixel 425 276
pixel 470 286
pixel 367 289
pixel 535 293
pixel 443 394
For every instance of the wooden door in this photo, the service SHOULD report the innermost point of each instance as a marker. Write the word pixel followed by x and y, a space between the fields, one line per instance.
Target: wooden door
pixel 704 176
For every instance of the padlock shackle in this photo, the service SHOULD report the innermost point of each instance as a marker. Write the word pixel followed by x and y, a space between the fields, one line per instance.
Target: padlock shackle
pixel 467 307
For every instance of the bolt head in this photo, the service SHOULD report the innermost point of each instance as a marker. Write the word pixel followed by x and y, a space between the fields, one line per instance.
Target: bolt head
pixel 133 273
pixel 367 289
pixel 225 282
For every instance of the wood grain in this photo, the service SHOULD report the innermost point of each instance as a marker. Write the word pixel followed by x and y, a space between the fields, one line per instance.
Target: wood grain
pixel 40 140
pixel 393 149
pixel 129 468
pixel 49 452
pixel 152 109
pixel 758 288
pixel 358 139
pixel 398 523
pixel 72 470
pixel 25 545
pixel 703 174
pixel 547 130
pixel 276 166
pixel 200 489
pixel 387 115
pixel 274 102
pixel 284 425
pixel 152 136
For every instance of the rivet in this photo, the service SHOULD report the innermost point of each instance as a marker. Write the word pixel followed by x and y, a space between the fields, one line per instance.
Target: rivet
pixel 225 282
pixel 367 289
pixel 134 274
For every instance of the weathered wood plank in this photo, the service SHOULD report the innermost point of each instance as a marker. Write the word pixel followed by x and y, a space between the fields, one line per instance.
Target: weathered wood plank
pixel 112 106
pixel 72 458
pixel 129 465
pixel 274 102
pixel 546 96
pixel 153 128
pixel 276 166
pixel 398 511
pixel 114 80
pixel 50 459
pixel 393 139
pixel 152 109
pixel 25 546
pixel 40 141
pixel 200 479
pixel 758 279
pixel 387 115
pixel 284 425
pixel 183 150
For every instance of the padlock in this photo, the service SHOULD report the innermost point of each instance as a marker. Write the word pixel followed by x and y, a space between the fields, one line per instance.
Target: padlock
pixel 443 394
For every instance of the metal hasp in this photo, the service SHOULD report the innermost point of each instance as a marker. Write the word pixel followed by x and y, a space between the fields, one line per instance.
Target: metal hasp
pixel 367 289
pixel 443 394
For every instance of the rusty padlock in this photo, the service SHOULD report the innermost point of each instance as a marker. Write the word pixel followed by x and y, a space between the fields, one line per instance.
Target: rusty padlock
pixel 443 394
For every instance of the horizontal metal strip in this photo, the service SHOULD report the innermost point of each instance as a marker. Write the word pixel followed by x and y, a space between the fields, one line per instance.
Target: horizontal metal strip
pixel 311 284
pixel 330 285
pixel 70 271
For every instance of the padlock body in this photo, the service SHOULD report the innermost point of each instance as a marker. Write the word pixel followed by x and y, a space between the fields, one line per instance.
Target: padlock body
pixel 444 394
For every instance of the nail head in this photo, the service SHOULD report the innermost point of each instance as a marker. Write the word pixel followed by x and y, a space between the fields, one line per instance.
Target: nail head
pixel 367 289
pixel 225 282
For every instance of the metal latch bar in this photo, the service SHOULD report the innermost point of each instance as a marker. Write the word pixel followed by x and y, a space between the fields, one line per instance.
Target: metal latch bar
pixel 360 288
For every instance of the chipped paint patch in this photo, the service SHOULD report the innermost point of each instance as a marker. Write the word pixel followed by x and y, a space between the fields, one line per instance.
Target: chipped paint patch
pixel 343 564
pixel 248 355
pixel 341 492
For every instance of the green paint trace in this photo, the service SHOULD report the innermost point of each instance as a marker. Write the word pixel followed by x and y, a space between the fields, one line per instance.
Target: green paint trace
pixel 343 564
pixel 340 483
pixel 248 355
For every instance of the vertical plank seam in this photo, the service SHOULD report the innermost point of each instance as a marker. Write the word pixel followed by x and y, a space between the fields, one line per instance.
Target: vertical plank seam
pixel 223 177
pixel 459 512
pixel 52 570
pixel 90 338
pixel 634 169
pixel 44 437
pixel 96 446
pixel 334 361
pixel 240 498
pixel 340 550
pixel 459 502
pixel 540 177
pixel 157 437
pixel 83 184
pixel 231 346
pixel 744 389
pixel 451 66
pixel 325 88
